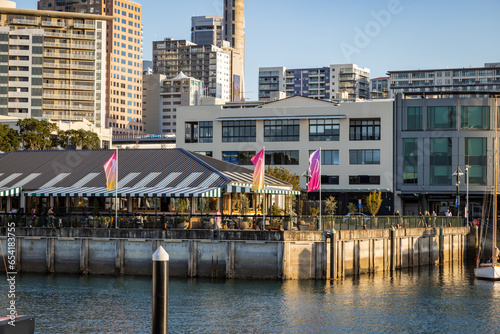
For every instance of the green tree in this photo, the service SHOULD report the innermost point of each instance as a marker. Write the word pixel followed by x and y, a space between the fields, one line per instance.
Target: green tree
pixel 9 138
pixel 35 134
pixel 330 205
pixel 284 174
pixel 351 207
pixel 374 201
pixel 81 138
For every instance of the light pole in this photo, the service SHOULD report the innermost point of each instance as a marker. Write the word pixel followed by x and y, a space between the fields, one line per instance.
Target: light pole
pixel 458 173
pixel 467 194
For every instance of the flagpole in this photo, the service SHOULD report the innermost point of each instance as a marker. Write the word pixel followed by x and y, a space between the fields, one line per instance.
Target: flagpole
pixel 264 191
pixel 319 225
pixel 116 191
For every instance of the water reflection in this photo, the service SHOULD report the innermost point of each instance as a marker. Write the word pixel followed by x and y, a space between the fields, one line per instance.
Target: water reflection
pixel 428 299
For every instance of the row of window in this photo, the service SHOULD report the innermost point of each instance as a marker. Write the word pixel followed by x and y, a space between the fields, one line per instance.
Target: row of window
pixel 445 117
pixel 283 130
pixel 440 156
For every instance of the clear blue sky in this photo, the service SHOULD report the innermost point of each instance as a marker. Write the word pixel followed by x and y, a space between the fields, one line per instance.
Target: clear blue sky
pixel 417 34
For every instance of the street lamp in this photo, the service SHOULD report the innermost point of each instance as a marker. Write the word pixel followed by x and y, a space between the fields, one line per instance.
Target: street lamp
pixel 467 194
pixel 458 173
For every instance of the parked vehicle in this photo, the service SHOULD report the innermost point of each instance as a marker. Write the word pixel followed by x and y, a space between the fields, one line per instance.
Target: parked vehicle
pixel 356 215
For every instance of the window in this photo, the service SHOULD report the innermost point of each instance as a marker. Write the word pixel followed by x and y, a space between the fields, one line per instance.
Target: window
pixel 441 117
pixel 324 130
pixel 410 160
pixel 238 158
pixel 328 157
pixel 440 157
pixel 364 179
pixel 206 132
pixel 364 129
pixel 414 118
pixel 475 117
pixel 475 157
pixel 364 157
pixel 238 131
pixel 329 179
pixel 191 133
pixel 282 157
pixel 281 130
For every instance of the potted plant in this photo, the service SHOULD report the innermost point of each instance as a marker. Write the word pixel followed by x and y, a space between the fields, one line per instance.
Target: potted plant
pixel 182 220
pixel 330 207
pixel 275 212
pixel 373 203
pixel 244 206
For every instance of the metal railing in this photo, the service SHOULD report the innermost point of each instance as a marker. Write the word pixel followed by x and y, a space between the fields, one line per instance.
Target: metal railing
pixel 209 221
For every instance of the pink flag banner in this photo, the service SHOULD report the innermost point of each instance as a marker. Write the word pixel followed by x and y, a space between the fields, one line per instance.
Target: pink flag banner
pixel 111 168
pixel 314 171
pixel 258 173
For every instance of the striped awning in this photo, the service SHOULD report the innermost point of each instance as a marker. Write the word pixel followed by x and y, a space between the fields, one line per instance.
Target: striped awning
pixel 127 192
pixel 10 191
pixel 247 188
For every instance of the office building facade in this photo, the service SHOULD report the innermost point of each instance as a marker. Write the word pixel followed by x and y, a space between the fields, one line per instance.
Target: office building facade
pixel 206 30
pixel 53 66
pixel 123 58
pixel 434 137
pixel 343 82
pixel 355 138
pixel 379 88
pixel 234 33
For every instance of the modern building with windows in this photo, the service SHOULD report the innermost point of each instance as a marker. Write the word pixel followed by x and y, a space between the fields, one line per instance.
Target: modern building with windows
pixel 356 140
pixel 379 88
pixel 343 82
pixel 486 78
pixel 206 30
pixel 234 33
pixel 123 65
pixel 53 65
pixel 163 96
pixel 207 63
pixel 433 137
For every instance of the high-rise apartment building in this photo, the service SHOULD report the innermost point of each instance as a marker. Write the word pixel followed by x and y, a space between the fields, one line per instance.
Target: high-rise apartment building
pixel 344 82
pixel 379 88
pixel 207 63
pixel 53 65
pixel 234 33
pixel 163 96
pixel 206 30
pixel 446 79
pixel 123 57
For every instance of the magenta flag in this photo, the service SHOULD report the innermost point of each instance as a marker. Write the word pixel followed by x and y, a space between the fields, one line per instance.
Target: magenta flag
pixel 315 171
pixel 111 169
pixel 258 172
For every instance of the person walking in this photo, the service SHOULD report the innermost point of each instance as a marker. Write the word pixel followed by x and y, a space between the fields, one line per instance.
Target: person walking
pixel 51 216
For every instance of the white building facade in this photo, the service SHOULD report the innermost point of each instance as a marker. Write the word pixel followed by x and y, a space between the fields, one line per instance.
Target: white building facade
pixel 356 140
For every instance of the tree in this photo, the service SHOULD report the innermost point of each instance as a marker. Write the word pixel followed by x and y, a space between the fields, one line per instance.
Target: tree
pixel 284 174
pixel 9 139
pixel 374 201
pixel 35 134
pixel 330 205
pixel 82 138
pixel 351 207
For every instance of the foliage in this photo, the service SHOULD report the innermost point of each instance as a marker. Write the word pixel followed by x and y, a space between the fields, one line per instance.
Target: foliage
pixel 314 211
pixel 82 138
pixel 183 205
pixel 35 134
pixel 244 205
pixel 330 205
pixel 374 201
pixel 9 139
pixel 284 174
pixel 351 207
pixel 274 210
pixel 95 211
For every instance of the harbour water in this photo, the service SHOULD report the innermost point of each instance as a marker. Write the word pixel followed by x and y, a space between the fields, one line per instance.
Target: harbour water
pixel 427 300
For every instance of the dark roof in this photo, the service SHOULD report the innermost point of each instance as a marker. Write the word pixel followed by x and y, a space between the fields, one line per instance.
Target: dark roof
pixel 238 173
pixel 144 168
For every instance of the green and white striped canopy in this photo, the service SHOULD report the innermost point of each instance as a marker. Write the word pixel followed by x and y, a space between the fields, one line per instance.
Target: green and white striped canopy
pixel 127 192
pixel 247 188
pixel 10 192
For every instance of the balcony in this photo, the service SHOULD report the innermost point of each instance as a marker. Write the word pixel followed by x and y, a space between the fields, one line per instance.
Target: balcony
pixel 68 55
pixel 63 35
pixel 71 66
pixel 83 25
pixel 68 97
pixel 53 24
pixel 68 76
pixel 59 86
pixel 67 117
pixel 23 21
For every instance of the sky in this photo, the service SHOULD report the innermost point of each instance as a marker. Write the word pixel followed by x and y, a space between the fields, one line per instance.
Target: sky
pixel 381 35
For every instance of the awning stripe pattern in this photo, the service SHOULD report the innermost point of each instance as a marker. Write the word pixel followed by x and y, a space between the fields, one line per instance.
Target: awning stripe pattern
pixel 10 192
pixel 247 188
pixel 128 192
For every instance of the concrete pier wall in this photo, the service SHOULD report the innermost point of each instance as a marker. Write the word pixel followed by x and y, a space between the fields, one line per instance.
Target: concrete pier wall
pixel 234 254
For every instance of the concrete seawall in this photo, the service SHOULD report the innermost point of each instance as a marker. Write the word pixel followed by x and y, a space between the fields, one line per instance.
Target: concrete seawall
pixel 232 253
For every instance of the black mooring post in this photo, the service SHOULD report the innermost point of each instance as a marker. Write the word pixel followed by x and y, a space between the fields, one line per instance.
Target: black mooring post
pixel 160 291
